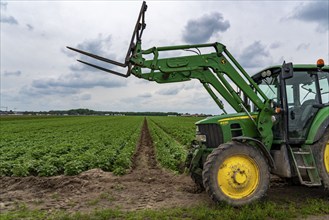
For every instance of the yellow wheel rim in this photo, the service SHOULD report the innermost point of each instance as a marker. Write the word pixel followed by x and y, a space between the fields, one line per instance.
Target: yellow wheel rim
pixel 238 176
pixel 326 157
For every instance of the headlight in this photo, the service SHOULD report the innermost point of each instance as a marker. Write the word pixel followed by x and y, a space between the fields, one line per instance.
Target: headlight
pixel 201 137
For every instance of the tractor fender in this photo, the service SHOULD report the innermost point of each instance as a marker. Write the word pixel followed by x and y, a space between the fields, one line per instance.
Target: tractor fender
pixel 319 125
pixel 321 130
pixel 260 145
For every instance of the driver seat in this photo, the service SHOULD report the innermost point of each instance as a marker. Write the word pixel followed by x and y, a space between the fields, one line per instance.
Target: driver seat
pixel 306 112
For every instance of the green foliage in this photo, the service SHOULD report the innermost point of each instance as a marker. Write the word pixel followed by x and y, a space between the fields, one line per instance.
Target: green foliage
pixel 20 169
pixel 181 129
pixel 73 167
pixel 171 136
pixel 47 169
pixel 5 168
pixel 48 146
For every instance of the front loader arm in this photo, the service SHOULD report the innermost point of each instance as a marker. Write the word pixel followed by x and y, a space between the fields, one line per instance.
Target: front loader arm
pixel 213 68
pixel 205 76
pixel 217 69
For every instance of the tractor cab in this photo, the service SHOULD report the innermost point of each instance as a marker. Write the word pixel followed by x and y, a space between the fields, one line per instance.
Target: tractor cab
pixel 298 99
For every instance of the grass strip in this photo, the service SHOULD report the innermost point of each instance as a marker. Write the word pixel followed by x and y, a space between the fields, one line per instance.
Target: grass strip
pixel 261 210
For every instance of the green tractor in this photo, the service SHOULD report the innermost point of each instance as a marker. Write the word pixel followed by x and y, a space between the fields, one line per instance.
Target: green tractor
pixel 281 124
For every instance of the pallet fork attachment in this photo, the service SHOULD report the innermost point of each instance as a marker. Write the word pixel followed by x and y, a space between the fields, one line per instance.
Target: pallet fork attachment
pixel 136 38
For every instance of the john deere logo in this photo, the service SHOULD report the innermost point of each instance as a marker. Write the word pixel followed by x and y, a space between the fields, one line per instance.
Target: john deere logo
pixel 223 61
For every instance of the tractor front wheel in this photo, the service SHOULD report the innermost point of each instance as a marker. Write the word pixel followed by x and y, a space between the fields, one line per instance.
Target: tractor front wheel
pixel 321 153
pixel 237 174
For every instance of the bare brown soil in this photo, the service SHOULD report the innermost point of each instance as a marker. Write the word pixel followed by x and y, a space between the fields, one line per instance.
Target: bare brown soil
pixel 145 186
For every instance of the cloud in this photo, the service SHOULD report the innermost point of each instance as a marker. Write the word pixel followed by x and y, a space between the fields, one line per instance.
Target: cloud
pixel 5 18
pixel 174 90
pixel 69 84
pixel 202 29
pixel 275 45
pixel 37 92
pixel 145 95
pixel 29 27
pixel 12 73
pixel 255 55
pixel 170 91
pixel 83 97
pixel 98 46
pixel 68 52
pixel 303 46
pixel 78 81
pixel 8 19
pixel 316 12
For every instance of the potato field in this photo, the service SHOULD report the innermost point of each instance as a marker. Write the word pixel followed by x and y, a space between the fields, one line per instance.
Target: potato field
pixel 48 146
pixel 120 167
pixel 67 145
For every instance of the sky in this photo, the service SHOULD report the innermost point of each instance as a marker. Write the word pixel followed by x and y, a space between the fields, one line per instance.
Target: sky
pixel 38 73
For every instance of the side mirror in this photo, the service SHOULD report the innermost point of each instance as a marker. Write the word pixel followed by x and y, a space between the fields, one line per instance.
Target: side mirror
pixel 287 70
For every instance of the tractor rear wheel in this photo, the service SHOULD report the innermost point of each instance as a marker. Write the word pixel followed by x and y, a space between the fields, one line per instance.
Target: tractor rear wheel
pixel 321 154
pixel 237 174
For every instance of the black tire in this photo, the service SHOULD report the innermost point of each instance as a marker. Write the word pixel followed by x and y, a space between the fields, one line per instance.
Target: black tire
pixel 215 164
pixel 321 150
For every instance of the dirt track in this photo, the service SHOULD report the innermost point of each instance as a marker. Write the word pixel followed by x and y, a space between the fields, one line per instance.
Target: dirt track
pixel 145 186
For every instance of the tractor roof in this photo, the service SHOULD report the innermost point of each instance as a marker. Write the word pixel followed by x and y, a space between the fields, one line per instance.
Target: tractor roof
pixel 297 67
pixel 276 69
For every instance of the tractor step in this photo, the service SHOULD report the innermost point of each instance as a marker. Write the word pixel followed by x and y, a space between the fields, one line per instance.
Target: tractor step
pixel 309 183
pixel 304 162
pixel 301 152
pixel 305 167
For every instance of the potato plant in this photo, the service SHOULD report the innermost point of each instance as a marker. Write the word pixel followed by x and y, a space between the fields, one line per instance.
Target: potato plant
pixel 171 137
pixel 180 128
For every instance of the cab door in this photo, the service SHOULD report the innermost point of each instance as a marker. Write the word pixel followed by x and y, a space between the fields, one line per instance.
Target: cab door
pixel 304 97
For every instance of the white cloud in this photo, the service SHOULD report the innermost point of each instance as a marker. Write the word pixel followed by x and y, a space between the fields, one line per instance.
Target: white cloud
pixel 255 55
pixel 303 46
pixel 8 20
pixel 200 30
pixel 316 12
pixel 173 90
pixel 12 73
pixel 145 95
pixel 275 45
pixel 29 27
